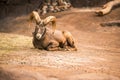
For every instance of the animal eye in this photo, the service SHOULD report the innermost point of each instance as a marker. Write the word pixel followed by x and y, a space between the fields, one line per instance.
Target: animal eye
pixel 37 26
pixel 42 24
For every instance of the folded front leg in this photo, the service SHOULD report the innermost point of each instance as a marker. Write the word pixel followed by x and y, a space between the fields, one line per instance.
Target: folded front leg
pixel 53 46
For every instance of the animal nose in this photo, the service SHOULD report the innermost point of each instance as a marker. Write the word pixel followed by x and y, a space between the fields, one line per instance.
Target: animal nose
pixel 38 36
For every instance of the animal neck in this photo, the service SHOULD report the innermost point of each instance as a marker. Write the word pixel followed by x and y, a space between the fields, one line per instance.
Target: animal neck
pixel 44 33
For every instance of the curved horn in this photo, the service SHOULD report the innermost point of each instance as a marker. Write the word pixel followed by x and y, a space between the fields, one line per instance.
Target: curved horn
pixel 51 19
pixel 35 16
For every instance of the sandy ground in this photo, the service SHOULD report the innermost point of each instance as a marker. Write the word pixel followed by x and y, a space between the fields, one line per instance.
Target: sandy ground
pixel 97 58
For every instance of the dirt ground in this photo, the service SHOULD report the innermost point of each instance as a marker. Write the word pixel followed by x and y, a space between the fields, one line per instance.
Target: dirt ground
pixel 97 58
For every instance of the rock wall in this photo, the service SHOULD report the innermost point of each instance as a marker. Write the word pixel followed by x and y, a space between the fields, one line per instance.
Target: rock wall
pixel 20 7
pixel 17 7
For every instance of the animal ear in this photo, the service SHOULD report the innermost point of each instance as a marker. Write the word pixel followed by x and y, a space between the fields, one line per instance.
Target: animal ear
pixel 50 19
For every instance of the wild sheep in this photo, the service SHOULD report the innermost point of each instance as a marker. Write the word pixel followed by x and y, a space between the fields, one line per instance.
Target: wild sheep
pixel 48 39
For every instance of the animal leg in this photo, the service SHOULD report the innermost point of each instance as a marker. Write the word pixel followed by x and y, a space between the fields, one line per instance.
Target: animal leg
pixel 70 41
pixel 69 48
pixel 53 46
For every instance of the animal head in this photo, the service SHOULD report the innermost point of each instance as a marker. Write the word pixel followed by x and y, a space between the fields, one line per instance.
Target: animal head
pixel 34 16
pixel 39 32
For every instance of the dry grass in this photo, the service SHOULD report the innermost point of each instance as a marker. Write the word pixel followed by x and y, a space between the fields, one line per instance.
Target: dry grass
pixel 13 42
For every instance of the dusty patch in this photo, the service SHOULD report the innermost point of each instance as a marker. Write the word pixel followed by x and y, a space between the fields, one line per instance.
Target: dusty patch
pixel 10 42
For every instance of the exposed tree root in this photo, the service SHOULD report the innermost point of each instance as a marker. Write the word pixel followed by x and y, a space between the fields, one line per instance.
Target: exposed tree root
pixel 111 23
pixel 107 7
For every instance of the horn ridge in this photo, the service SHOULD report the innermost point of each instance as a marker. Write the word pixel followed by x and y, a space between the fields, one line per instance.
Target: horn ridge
pixel 51 19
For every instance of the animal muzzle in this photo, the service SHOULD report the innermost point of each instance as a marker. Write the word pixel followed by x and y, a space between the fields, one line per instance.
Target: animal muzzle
pixel 38 36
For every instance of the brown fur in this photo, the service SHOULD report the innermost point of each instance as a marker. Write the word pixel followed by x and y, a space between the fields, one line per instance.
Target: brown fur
pixel 50 39
pixel 60 40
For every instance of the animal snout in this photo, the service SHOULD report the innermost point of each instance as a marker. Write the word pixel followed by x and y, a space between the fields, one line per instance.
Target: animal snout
pixel 38 36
